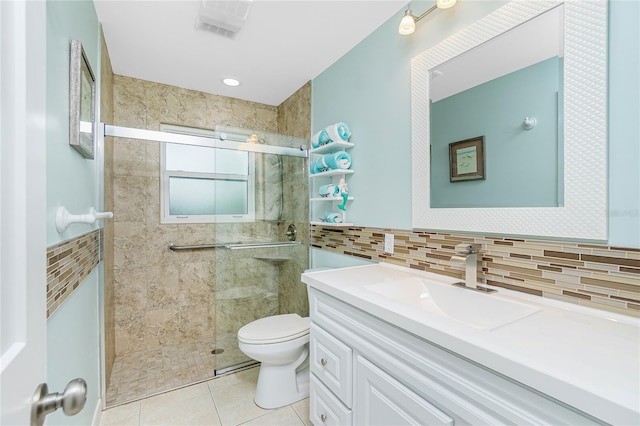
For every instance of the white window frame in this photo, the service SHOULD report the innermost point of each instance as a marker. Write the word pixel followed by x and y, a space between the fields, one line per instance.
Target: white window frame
pixel 167 218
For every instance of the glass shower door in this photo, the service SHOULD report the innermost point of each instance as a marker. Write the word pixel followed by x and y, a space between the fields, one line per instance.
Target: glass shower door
pixel 255 282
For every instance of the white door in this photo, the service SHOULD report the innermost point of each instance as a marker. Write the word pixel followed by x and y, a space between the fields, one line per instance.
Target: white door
pixel 22 207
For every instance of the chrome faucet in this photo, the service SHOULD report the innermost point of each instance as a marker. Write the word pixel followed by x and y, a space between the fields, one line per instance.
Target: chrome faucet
pixel 467 255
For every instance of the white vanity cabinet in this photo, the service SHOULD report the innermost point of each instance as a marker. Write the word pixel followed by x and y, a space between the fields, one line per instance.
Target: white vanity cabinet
pixel 366 371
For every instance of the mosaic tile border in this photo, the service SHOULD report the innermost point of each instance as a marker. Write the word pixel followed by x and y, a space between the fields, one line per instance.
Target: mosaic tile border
pixel 593 275
pixel 68 264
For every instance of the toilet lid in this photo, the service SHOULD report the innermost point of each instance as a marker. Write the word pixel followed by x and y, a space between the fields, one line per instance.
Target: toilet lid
pixel 274 329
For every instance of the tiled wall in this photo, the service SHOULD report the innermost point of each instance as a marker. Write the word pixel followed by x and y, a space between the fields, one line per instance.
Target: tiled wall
pixel 168 298
pixel 68 264
pixel 294 119
pixel 593 275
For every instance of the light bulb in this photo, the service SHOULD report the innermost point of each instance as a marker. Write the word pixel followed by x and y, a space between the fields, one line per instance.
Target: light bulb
pixel 445 4
pixel 231 82
pixel 407 24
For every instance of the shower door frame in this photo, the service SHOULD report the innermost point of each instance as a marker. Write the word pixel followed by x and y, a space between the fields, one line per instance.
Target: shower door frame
pixel 157 136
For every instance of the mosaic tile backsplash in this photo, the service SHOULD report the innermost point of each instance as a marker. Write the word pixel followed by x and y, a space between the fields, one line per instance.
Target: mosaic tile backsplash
pixel 68 264
pixel 593 275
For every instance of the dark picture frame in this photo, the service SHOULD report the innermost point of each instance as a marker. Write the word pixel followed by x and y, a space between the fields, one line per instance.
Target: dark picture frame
pixel 466 160
pixel 82 96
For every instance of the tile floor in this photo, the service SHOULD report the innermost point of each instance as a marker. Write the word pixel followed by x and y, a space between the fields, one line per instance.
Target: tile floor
pixel 139 374
pixel 223 401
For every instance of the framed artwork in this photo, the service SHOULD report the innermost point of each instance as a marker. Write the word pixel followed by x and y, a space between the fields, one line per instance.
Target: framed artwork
pixel 82 95
pixel 466 159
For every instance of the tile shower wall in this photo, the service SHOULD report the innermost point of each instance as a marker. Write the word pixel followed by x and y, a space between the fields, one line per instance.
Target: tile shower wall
pixel 592 275
pixel 164 297
pixel 294 119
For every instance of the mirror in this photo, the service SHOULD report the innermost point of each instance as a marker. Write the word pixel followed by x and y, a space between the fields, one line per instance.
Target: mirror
pixel 488 92
pixel 582 215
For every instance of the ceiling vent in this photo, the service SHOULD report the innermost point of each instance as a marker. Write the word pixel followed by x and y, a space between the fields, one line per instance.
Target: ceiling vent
pixel 223 17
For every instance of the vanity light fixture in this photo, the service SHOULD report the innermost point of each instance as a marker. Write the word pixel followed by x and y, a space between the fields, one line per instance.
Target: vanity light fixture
pixel 231 82
pixel 408 22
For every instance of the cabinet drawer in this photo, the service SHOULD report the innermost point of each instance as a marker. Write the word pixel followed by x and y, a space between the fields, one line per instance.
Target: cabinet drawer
pixel 324 407
pixel 332 362
pixel 382 400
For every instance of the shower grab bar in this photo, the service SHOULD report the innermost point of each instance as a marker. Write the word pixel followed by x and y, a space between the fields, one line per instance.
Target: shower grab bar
pixel 196 246
pixel 234 246
pixel 237 246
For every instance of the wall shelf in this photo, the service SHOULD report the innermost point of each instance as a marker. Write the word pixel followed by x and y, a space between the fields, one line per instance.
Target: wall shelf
pixel 331 147
pixel 273 258
pixel 318 205
pixel 331 173
pixel 330 199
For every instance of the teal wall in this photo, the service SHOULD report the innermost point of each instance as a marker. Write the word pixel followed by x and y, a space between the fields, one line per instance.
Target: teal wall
pixel 73 348
pixel 369 89
pixel 624 124
pixel 521 166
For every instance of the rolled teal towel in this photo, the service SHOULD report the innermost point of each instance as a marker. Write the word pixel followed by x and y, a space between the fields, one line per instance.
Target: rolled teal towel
pixel 338 132
pixel 337 160
pixel 331 217
pixel 332 133
pixel 329 190
pixel 318 166
pixel 320 138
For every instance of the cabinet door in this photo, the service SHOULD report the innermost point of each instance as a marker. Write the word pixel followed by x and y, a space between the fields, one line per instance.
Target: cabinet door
pixel 332 361
pixel 382 400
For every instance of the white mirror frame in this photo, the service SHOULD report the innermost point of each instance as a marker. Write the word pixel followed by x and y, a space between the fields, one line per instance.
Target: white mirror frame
pixel 584 213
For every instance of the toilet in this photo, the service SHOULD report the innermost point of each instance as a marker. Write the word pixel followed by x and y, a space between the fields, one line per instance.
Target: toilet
pixel 281 344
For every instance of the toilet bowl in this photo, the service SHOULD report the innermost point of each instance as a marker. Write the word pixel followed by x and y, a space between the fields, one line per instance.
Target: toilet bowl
pixel 281 344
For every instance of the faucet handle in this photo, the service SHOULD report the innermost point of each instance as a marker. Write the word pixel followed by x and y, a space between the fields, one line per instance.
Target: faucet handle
pixel 467 248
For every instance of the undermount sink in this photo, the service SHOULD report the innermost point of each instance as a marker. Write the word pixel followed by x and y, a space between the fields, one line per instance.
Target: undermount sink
pixel 477 310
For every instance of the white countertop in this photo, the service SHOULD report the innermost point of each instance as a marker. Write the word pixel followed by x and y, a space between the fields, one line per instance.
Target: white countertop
pixel 586 358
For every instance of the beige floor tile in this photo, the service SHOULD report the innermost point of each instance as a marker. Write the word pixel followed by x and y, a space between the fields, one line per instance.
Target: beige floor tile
pixel 302 410
pixel 198 410
pixel 235 403
pixel 247 376
pixel 127 421
pixel 282 417
pixel 126 411
pixel 201 390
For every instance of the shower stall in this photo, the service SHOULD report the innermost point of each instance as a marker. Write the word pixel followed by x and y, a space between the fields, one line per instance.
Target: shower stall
pixel 203 243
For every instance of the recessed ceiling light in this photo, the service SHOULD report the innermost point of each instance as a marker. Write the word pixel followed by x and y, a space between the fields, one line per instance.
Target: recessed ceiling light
pixel 230 81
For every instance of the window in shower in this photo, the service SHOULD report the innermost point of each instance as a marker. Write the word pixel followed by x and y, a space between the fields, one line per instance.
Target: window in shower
pixel 201 184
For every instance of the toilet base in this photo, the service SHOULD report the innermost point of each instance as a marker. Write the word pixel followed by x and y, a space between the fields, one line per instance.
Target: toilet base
pixel 281 385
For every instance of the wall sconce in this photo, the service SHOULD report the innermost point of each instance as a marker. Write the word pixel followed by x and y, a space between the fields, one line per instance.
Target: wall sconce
pixel 408 22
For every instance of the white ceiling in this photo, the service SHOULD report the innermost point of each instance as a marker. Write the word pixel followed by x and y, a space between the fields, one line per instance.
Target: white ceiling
pixel 283 44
